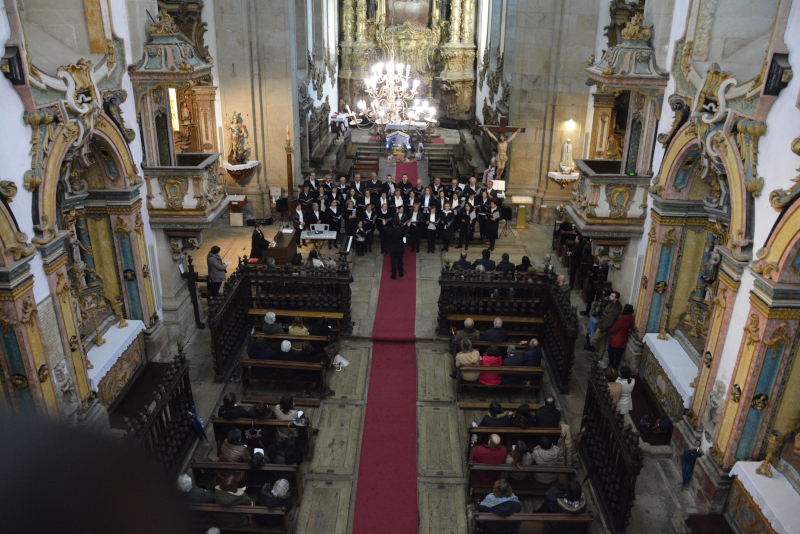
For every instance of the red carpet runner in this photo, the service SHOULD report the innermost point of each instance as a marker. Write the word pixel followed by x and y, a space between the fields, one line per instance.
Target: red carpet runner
pixel 386 494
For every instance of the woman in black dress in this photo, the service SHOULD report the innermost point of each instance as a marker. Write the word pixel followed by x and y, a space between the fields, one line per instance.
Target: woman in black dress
pixel 431 221
pixel 483 205
pixel 350 218
pixel 467 217
pixel 333 218
pixel 492 224
pixel 415 225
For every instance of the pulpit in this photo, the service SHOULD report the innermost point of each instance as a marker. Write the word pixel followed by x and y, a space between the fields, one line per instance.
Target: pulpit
pixel 522 204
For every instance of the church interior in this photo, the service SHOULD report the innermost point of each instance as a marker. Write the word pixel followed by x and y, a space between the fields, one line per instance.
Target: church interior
pixel 216 314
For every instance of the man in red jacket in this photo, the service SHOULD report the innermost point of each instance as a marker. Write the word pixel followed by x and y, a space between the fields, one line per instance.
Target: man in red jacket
pixel 493 454
pixel 618 336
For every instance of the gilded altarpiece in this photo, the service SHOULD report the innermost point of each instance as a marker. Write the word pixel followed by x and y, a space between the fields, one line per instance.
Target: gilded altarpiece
pixel 441 54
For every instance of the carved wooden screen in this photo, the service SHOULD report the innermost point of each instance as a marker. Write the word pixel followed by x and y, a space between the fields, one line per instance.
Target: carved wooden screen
pixel 560 333
pixel 610 452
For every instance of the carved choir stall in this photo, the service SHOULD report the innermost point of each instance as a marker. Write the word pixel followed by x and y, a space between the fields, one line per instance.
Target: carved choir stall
pixel 253 289
pixel 528 306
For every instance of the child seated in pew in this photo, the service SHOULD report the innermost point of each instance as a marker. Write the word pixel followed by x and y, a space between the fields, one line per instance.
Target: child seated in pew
pixel 502 502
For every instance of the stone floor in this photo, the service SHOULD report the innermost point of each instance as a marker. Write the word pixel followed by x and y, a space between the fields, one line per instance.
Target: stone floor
pixel 332 475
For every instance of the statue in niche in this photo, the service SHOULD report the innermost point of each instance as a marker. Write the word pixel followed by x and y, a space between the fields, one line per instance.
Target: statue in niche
pixel 237 133
pixel 68 396
pixel 711 267
pixel 716 401
pixel 567 163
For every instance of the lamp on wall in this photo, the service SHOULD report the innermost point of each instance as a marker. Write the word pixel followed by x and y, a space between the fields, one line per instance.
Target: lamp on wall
pixel 570 125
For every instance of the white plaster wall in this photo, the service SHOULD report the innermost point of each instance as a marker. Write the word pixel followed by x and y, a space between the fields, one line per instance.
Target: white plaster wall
pixel 211 42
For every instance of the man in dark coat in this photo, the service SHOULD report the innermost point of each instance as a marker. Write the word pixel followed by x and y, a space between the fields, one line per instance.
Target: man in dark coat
pixel 463 263
pixel 548 416
pixel 514 360
pixel 258 245
pixel 485 261
pixel 505 265
pixel 496 334
pixel 394 242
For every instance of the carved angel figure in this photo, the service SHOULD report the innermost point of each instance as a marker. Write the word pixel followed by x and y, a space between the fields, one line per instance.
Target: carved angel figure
pixel 236 136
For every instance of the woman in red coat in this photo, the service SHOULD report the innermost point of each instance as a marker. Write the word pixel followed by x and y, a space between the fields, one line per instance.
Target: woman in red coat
pixel 492 358
pixel 618 336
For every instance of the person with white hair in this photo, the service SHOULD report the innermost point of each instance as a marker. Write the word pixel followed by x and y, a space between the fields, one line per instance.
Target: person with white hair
pixel 270 327
pixel 192 494
pixel 468 332
pixel 274 496
pixel 496 334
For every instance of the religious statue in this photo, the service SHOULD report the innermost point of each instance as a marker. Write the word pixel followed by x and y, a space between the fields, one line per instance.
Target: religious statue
pixel 502 150
pixel 711 267
pixel 716 401
pixel 236 136
pixel 567 163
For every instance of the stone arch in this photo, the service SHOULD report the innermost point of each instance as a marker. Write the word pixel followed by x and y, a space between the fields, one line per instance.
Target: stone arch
pixel 779 259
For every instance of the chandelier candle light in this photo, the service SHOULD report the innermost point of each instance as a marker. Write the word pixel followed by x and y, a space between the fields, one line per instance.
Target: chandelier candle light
pixel 392 100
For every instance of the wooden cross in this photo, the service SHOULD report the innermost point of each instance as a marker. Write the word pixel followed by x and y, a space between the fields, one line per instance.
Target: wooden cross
pixel 504 128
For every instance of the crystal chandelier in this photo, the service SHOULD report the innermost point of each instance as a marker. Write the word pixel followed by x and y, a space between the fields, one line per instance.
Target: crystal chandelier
pixel 392 100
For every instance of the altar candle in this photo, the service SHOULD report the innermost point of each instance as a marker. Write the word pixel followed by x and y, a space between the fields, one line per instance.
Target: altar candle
pixel 288 138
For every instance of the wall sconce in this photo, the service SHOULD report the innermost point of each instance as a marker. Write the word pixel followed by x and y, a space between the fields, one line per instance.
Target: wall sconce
pixel 570 125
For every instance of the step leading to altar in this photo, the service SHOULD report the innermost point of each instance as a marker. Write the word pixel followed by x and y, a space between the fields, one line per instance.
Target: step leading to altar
pixel 117 361
pixel 669 372
pixel 761 504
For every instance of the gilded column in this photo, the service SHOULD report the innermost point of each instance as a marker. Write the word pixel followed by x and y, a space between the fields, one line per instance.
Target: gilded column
pixel 348 21
pixel 455 21
pixel 361 20
pixel 142 247
pixel 87 253
pixel 468 22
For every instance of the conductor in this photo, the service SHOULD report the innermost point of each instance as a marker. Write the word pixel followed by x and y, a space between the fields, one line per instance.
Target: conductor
pixel 394 242
pixel 259 245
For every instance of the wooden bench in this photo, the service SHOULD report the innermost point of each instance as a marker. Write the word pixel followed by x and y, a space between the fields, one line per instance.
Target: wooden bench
pixel 528 486
pixel 272 401
pixel 509 435
pixel 223 426
pixel 469 405
pixel 333 316
pixel 536 521
pixel 246 367
pixel 244 510
pixel 535 373
pixel 481 346
pixel 290 472
pixel 518 326
pixel 287 337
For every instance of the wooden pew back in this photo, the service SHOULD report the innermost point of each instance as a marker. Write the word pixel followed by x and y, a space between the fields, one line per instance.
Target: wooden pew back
pixel 535 374
pixel 290 472
pixel 509 435
pixel 246 368
pixel 268 426
pixel 243 510
pixel 536 520
pixel 528 486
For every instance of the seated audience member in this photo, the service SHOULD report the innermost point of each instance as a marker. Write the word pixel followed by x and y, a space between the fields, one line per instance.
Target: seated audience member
pixel 285 411
pixel 260 350
pixel 496 334
pixel 274 496
pixel 491 358
pixel 512 360
pixel 614 387
pixel 572 502
pixel 563 286
pixel 467 356
pixel 625 403
pixel 525 265
pixel 320 327
pixel 519 457
pixel 504 503
pixel 228 494
pixel 262 411
pixel 549 268
pixel 492 454
pixel 194 495
pixel 545 454
pixel 548 416
pixel 523 418
pixel 233 450
pixel 532 357
pixel 485 261
pixel 229 410
pixel 462 263
pixel 468 332
pixel 270 327
pixel 298 329
pixel 505 266
pixel 496 417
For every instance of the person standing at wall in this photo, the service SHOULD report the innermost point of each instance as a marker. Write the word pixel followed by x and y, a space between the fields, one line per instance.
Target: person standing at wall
pixel 216 271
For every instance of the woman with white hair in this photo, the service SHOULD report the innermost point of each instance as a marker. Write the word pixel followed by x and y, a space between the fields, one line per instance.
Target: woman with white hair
pixel 270 327
pixel 274 496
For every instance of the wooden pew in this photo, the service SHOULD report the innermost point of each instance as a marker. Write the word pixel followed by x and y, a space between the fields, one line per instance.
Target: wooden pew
pixel 509 435
pixel 517 326
pixel 246 367
pixel 537 521
pixel 223 426
pixel 290 472
pixel 333 316
pixel 272 401
pixel 244 510
pixel 481 346
pixel 315 340
pixel 529 486
pixel 535 372
pixel 484 406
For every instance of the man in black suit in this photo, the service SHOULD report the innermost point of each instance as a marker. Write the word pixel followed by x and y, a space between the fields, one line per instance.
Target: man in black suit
pixel 496 334
pixel 548 416
pixel 505 265
pixel 394 242
pixel 513 359
pixel 358 185
pixel 375 185
pixel 405 186
pixel 463 263
pixel 436 186
pixel 258 244
pixel 485 261
pixel 312 182
pixel 389 187
pixel 300 220
pixel 306 198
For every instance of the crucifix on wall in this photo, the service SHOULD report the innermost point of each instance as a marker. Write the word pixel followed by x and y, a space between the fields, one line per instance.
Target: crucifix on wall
pixel 502 143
